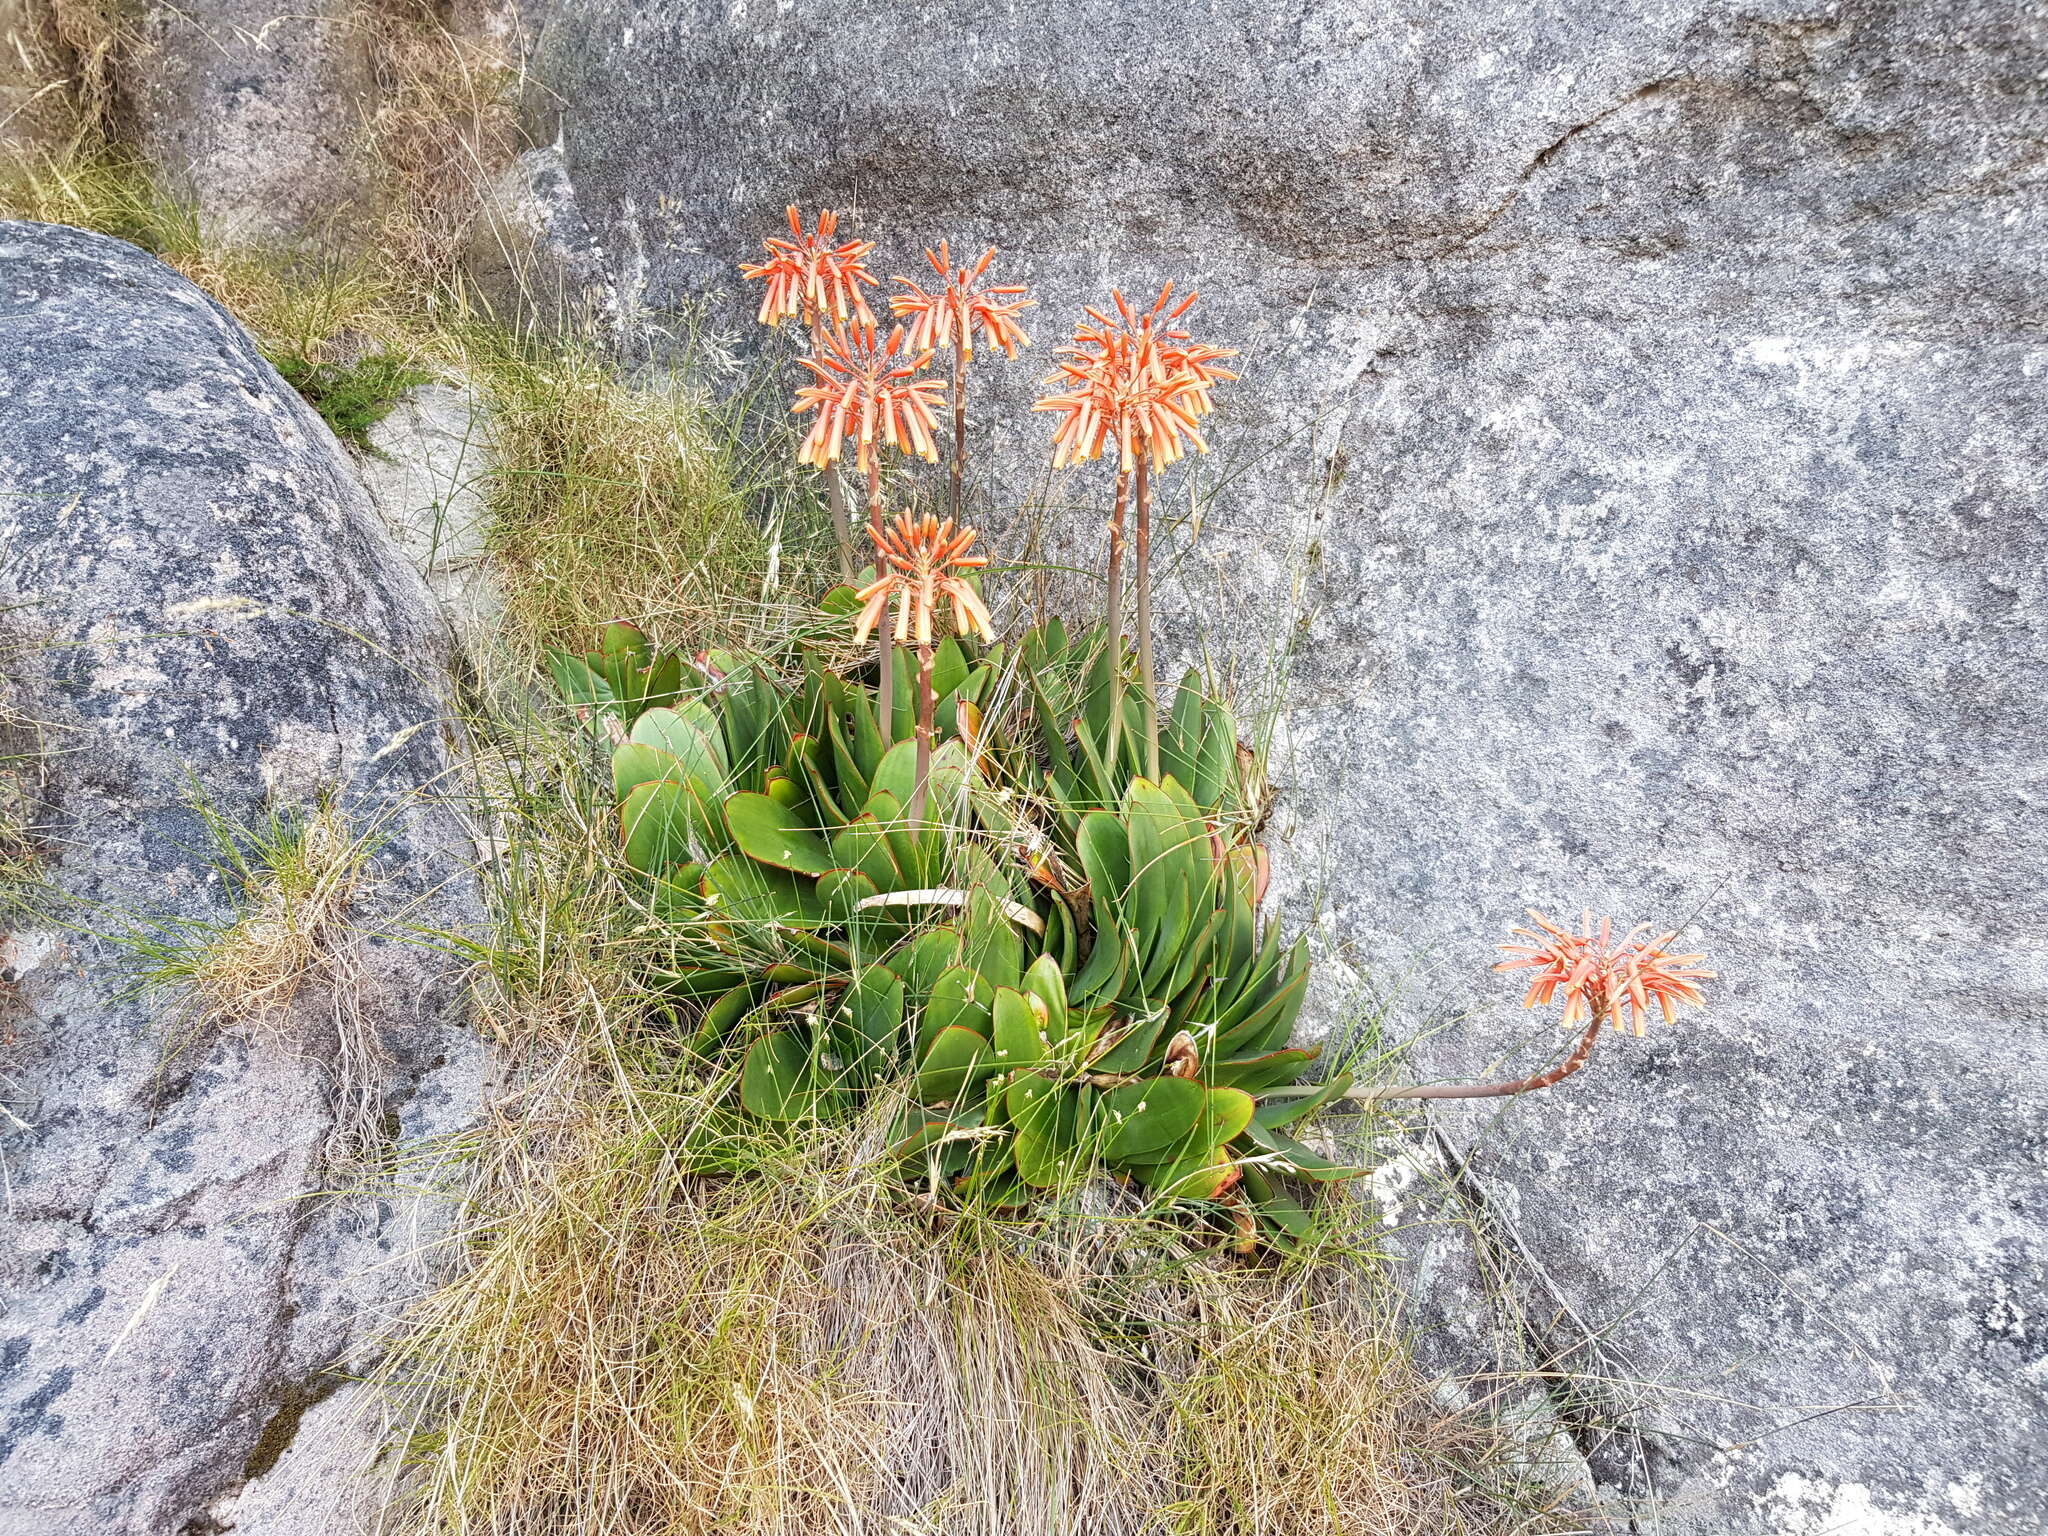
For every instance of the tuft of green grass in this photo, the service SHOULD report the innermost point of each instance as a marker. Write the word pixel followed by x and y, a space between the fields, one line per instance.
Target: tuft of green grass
pixel 350 397
pixel 635 500
pixel 24 888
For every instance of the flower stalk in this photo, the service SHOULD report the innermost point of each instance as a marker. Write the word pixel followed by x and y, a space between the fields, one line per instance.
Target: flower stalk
pixel 808 277
pixel 922 560
pixel 1113 618
pixel 927 706
pixel 950 316
pixel 885 641
pixel 955 501
pixel 1603 980
pixel 1148 679
pixel 835 487
pixel 1133 382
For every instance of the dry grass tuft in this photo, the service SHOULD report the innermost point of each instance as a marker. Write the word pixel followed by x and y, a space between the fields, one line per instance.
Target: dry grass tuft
pixel 297 886
pixel 288 964
pixel 614 500
pixel 793 1346
pixel 445 126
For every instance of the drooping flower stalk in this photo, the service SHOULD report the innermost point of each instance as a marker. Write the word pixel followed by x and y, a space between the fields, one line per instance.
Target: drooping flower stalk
pixel 922 560
pixel 1605 981
pixel 810 277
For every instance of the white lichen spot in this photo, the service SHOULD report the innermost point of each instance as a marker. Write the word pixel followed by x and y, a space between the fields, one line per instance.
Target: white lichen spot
pixel 1391 1182
pixel 1803 1506
pixel 226 608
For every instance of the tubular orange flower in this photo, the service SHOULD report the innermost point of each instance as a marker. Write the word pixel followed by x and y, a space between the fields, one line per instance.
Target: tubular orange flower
pixel 1131 378
pixel 1602 976
pixel 862 387
pixel 923 560
pixel 951 315
pixel 810 278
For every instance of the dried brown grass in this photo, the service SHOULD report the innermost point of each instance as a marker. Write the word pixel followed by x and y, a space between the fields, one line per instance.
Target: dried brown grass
pixel 640 1348
pixel 288 965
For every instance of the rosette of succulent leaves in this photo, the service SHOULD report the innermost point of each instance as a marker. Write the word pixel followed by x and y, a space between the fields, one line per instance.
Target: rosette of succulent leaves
pixel 1059 967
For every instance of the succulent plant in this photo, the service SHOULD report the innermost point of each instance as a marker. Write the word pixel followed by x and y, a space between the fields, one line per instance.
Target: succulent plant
pixel 1063 962
pixel 622 677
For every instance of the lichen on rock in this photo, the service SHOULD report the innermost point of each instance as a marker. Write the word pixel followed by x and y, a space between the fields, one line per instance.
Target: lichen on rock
pixel 223 628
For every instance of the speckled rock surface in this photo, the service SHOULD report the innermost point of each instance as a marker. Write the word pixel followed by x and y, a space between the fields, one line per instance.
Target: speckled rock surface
pixel 1640 493
pixel 259 113
pixel 427 472
pixel 199 597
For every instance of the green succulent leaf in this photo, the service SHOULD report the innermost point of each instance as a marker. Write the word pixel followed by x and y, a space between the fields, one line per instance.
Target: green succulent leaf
pixel 776 833
pixel 1158 1115
pixel 1276 1114
pixel 922 960
pixel 654 822
pixel 872 1012
pixel 747 891
pixel 958 996
pixel 689 732
pixel 957 1060
pixel 1225 1116
pixel 1019 1029
pixel 1306 1161
pixel 1202 1176
pixel 840 891
pixel 777 1079
pixel 1284 1220
pixel 620 638
pixel 634 764
pixel 1254 1073
pixel 723 1016
pixel 862 845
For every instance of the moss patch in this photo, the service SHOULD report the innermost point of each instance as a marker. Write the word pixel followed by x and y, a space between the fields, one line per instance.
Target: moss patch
pixel 350 397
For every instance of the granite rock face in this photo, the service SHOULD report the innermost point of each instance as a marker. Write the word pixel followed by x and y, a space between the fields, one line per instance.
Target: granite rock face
pixel 1637 504
pixel 201 603
pixel 259 113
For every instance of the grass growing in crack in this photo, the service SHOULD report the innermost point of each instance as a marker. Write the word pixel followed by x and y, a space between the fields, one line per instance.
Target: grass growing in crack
pixel 24 759
pixel 613 500
pixel 287 962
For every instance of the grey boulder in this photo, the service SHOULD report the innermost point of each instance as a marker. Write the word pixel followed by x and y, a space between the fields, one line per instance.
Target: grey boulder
pixel 1636 502
pixel 203 609
pixel 259 114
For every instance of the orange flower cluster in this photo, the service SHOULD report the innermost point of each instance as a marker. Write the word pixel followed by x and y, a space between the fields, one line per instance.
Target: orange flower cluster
pixel 867 387
pixel 951 315
pixel 1137 380
pixel 811 278
pixel 1602 977
pixel 922 560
